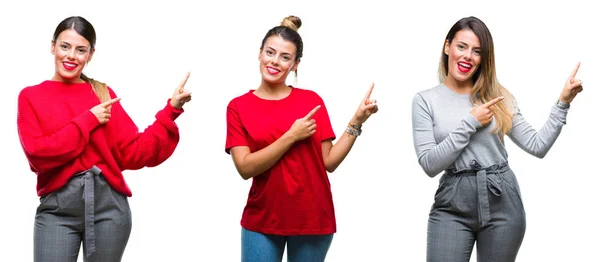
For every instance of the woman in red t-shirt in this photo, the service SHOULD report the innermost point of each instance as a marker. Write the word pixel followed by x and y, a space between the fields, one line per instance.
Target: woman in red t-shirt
pixel 78 139
pixel 281 136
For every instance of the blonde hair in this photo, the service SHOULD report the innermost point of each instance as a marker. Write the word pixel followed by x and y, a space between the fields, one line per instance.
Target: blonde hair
pixel 100 89
pixel 485 83
pixel 292 22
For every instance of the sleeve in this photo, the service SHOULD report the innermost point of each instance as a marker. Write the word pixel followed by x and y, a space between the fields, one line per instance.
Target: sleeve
pixel 324 124
pixel 135 149
pixel 537 143
pixel 48 151
pixel 236 133
pixel 434 157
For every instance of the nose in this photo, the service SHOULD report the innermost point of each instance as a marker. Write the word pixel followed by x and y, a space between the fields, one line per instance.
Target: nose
pixel 468 55
pixel 71 54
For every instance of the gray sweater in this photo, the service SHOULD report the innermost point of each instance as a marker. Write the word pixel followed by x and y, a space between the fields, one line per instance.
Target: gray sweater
pixel 447 136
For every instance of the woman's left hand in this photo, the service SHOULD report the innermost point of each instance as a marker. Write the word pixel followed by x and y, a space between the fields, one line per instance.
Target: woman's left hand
pixel 366 108
pixel 181 96
pixel 573 87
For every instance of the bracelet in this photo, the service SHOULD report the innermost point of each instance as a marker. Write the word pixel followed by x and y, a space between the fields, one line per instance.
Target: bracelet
pixel 562 105
pixel 354 130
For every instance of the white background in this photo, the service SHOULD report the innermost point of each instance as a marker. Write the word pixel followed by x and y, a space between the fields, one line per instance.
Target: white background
pixel 189 208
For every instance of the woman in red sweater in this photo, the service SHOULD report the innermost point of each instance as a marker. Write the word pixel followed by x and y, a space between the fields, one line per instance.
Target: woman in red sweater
pixel 281 137
pixel 78 140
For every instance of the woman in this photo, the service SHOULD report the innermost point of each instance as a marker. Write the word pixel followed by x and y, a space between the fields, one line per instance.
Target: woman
pixel 78 140
pixel 281 137
pixel 459 127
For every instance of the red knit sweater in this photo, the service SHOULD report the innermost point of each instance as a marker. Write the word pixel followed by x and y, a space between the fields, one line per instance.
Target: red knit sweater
pixel 61 136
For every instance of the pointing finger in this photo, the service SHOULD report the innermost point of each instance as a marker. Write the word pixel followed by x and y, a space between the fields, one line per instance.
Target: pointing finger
pixel 368 95
pixel 110 102
pixel 574 73
pixel 493 101
pixel 312 112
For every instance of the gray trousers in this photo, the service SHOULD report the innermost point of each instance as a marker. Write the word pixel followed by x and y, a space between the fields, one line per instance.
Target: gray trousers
pixel 85 210
pixel 483 205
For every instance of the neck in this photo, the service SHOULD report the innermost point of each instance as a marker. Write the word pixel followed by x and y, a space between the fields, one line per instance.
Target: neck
pixel 272 90
pixel 460 87
pixel 58 78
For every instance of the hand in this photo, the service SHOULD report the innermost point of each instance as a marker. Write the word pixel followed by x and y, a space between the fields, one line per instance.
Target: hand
pixel 102 111
pixel 181 96
pixel 572 87
pixel 304 127
pixel 483 113
pixel 366 108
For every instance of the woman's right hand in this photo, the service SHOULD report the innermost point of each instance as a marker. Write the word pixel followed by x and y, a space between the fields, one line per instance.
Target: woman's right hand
pixel 304 127
pixel 483 113
pixel 102 111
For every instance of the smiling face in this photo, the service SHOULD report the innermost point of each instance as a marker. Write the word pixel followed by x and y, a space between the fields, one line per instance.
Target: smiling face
pixel 71 53
pixel 277 59
pixel 464 57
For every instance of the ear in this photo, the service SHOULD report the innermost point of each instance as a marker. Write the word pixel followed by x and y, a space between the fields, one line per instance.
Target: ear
pixel 259 52
pixel 91 55
pixel 296 65
pixel 52 47
pixel 447 48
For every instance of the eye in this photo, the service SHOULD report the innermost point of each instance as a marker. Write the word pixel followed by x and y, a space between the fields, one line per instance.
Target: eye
pixel 460 47
pixel 285 58
pixel 269 52
pixel 64 47
pixel 477 52
pixel 81 50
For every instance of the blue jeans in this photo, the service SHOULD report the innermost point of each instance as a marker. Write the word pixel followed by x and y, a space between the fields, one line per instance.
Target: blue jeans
pixel 259 247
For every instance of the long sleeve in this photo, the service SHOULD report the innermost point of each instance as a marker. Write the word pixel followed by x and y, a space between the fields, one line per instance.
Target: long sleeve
pixel 134 149
pixel 48 151
pixel 434 157
pixel 538 143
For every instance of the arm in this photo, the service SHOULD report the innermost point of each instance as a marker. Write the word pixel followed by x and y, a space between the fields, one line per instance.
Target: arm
pixel 134 149
pixel 434 157
pixel 538 143
pixel 251 164
pixel 333 155
pixel 48 151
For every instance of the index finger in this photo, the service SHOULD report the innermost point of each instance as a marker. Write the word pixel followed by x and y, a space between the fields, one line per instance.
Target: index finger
pixel 184 81
pixel 493 101
pixel 575 70
pixel 312 112
pixel 110 102
pixel 368 95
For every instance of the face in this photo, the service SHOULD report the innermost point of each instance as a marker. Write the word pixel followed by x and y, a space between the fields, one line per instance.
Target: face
pixel 464 56
pixel 71 53
pixel 277 59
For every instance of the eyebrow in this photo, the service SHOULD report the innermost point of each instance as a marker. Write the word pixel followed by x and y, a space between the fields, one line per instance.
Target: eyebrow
pixel 273 49
pixel 478 47
pixel 67 43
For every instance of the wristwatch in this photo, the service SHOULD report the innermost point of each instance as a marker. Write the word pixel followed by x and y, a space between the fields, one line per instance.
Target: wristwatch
pixel 562 105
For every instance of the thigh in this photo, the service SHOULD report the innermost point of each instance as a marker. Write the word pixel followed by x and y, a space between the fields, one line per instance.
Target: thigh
pixel 449 239
pixel 501 239
pixel 259 247
pixel 57 233
pixel 112 223
pixel 308 247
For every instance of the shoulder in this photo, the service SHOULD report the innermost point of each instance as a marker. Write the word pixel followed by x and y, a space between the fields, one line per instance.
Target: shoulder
pixel 240 99
pixel 428 94
pixel 33 89
pixel 306 93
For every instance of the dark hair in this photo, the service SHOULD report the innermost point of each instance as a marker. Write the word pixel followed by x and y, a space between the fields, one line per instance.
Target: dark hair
pixel 84 28
pixel 80 25
pixel 288 31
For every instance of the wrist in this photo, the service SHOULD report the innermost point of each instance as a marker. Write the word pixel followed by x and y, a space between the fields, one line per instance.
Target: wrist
pixel 562 104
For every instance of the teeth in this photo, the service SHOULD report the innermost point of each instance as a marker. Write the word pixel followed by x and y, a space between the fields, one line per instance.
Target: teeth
pixel 464 65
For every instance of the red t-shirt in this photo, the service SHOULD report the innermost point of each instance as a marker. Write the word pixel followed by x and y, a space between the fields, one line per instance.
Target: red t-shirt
pixel 61 136
pixel 294 196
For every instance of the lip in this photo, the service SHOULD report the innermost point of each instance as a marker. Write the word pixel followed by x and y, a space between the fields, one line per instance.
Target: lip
pixel 69 66
pixel 464 67
pixel 272 70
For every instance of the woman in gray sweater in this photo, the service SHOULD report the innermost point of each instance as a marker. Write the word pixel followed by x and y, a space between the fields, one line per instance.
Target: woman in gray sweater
pixel 459 128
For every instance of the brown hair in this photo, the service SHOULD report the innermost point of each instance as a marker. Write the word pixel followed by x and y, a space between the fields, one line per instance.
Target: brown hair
pixel 85 29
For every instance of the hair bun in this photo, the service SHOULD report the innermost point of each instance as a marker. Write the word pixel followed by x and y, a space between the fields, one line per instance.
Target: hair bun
pixel 292 22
